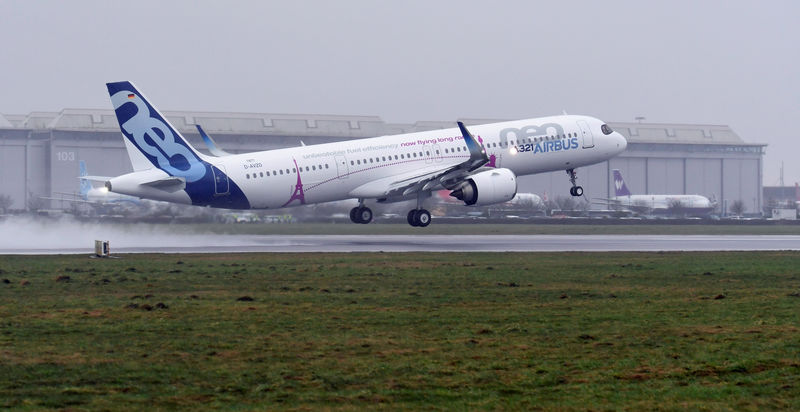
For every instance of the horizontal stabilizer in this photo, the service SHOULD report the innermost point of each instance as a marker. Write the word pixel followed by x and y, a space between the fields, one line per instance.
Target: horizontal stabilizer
pixel 95 178
pixel 168 184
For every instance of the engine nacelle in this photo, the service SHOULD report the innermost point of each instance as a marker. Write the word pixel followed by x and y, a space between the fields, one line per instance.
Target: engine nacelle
pixel 486 188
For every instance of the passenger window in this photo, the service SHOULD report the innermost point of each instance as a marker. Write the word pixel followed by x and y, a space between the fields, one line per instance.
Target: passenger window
pixel 268 174
pixel 261 174
pixel 281 171
pixel 313 167
pixel 294 170
pixel 352 163
pixel 326 165
pixel 274 172
pixel 248 175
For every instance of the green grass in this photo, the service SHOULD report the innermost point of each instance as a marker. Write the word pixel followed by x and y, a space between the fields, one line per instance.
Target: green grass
pixel 571 331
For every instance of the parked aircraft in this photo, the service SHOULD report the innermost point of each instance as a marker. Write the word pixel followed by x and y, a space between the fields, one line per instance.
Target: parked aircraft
pixel 530 201
pixel 95 196
pixel 693 205
pixel 479 165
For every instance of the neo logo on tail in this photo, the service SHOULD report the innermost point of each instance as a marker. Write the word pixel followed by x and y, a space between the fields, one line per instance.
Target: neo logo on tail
pixel 145 128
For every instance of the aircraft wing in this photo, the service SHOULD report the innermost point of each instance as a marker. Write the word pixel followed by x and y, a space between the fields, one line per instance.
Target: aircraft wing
pixel 429 178
pixel 606 201
pixel 72 199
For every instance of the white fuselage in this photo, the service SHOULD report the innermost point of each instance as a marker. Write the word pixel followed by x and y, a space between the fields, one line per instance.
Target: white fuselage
pixel 343 170
pixel 665 203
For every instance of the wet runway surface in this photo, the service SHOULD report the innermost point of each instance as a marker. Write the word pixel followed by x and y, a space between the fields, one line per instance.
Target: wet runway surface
pixel 427 243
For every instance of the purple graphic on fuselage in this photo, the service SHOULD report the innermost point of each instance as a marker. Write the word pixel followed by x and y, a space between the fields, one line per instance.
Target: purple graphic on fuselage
pixel 298 189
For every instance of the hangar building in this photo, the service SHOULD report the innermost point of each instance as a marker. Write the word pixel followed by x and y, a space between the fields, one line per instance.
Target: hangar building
pixel 39 152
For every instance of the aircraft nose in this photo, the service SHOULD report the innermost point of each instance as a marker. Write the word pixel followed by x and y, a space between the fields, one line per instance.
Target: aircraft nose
pixel 621 142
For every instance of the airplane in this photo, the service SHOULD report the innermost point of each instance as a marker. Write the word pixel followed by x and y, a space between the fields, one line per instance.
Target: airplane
pixel 694 205
pixel 479 165
pixel 96 196
pixel 521 200
pixel 527 200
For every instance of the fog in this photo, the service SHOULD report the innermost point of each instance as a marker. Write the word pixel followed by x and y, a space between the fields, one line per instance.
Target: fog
pixel 25 235
pixel 717 62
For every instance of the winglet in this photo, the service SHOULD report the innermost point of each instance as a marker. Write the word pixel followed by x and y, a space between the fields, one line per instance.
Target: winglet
pixel 477 154
pixel 211 144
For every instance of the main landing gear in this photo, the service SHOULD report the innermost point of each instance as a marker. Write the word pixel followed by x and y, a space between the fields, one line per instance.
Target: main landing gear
pixel 361 214
pixel 575 190
pixel 419 217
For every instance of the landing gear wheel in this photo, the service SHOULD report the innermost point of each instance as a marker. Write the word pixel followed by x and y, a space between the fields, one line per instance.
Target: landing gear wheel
pixel 361 214
pixel 411 214
pixel 364 215
pixel 575 190
pixel 422 218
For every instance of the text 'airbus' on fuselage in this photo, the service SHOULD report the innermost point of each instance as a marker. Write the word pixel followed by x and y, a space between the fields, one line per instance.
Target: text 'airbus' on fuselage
pixel 478 165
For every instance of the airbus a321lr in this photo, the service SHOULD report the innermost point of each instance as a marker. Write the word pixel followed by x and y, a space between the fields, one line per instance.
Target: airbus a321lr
pixel 479 165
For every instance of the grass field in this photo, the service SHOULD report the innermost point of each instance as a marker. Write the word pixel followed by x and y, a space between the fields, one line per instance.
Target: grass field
pixel 611 331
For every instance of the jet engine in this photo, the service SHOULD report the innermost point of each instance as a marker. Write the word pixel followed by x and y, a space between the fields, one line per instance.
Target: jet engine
pixel 486 188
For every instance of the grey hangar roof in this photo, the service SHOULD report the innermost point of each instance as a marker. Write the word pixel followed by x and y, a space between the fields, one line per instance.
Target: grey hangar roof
pixel 304 125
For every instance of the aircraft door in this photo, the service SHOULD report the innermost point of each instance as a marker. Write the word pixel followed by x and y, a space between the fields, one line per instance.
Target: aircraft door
pixel 221 186
pixel 586 134
pixel 342 169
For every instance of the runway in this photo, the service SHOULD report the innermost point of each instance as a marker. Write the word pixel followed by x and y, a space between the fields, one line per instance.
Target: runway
pixel 159 243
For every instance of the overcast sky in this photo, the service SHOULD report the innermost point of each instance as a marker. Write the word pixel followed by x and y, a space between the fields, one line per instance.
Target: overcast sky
pixel 717 62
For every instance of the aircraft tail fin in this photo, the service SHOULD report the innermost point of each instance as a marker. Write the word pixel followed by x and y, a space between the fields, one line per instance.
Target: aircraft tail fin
pixel 85 185
pixel 151 141
pixel 620 189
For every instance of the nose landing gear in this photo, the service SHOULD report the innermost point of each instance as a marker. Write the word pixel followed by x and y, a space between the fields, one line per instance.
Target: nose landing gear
pixel 575 190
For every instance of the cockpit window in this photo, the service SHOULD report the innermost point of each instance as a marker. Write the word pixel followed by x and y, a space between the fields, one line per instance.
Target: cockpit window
pixel 606 130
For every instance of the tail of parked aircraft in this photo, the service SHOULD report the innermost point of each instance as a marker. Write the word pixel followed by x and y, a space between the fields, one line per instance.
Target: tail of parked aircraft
pixel 620 189
pixel 150 139
pixel 85 185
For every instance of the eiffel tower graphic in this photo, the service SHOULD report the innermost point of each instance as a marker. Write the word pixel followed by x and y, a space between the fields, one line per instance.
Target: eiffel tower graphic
pixel 298 189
